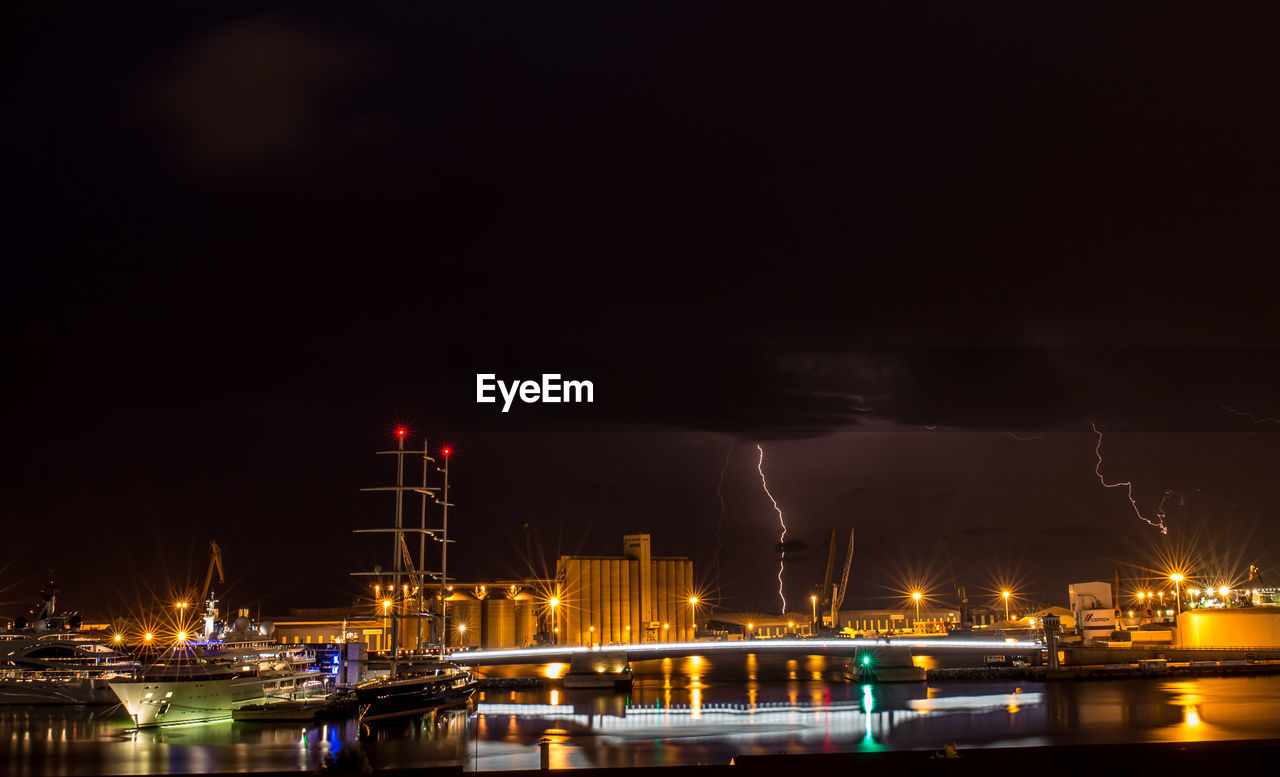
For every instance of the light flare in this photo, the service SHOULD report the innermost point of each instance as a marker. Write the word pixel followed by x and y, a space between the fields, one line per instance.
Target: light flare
pixel 782 539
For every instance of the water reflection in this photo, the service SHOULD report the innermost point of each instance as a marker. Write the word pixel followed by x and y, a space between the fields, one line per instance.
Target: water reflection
pixel 682 712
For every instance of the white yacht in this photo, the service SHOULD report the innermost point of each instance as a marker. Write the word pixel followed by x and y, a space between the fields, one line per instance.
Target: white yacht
pixel 51 661
pixel 207 678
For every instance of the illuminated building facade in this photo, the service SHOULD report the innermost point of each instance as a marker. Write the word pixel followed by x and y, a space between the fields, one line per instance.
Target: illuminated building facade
pixel 594 600
pixel 633 598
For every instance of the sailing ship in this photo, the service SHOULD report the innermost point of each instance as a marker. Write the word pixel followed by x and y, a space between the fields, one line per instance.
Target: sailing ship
pixel 418 681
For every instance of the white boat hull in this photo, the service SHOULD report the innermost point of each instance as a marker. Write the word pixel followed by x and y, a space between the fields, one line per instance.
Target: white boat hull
pixel 167 703
pixel 39 690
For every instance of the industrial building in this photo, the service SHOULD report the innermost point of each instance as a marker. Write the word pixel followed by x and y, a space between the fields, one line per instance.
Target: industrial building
pixel 593 600
pixel 633 598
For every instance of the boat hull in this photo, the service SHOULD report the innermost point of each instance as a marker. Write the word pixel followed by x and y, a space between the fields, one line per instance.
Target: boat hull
pixel 303 710
pixel 166 703
pixel 401 698
pixel 38 691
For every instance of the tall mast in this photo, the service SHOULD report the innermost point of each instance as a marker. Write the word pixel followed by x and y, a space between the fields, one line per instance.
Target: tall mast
pixel 444 562
pixel 401 558
pixel 397 537
pixel 422 546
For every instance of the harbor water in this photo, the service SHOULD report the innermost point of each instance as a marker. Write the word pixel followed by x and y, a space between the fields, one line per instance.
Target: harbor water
pixel 679 711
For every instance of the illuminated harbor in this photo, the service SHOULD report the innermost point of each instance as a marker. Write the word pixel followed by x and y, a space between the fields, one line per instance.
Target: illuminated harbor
pixel 675 718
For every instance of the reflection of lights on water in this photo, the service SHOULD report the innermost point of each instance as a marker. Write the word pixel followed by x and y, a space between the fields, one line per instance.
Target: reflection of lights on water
pixel 554 671
pixel 555 696
pixel 991 701
pixel 868 706
pixel 1191 716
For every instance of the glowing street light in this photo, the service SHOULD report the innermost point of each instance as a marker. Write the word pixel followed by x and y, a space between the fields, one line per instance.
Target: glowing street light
pixel 1177 579
pixel 813 598
pixel 917 595
pixel 1005 594
pixel 554 602
pixel 693 614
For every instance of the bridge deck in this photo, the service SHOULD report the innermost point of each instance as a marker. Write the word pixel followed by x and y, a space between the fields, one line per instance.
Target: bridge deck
pixel 796 647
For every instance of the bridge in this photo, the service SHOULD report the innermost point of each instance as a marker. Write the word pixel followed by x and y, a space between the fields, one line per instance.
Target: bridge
pixel 937 646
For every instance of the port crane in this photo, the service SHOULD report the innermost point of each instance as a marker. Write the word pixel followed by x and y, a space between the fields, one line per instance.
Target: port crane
pixel 961 596
pixel 215 560
pixel 831 596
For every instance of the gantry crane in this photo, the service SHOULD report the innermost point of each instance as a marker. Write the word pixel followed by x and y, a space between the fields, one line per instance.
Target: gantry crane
pixel 831 596
pixel 215 560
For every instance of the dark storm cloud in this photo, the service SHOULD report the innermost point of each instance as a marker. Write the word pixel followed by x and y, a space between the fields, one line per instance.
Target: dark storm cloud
pixel 262 91
pixel 763 394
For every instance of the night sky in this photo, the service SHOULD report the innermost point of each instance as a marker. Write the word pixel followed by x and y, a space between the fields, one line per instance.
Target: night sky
pixel 913 251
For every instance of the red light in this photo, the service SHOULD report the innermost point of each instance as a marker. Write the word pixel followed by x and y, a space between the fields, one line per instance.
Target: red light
pixel 447 451
pixel 400 432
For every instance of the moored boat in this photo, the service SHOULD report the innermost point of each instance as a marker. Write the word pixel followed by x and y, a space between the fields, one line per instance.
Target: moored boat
pixel 207 679
pixel 52 661
pixel 413 689
pixel 327 708
pixel 421 681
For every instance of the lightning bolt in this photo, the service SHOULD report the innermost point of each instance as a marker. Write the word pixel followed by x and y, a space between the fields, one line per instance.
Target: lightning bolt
pixel 1251 416
pixel 1160 513
pixel 782 539
pixel 715 561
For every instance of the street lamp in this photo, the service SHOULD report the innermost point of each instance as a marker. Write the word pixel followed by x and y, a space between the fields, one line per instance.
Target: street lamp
pixel 555 625
pixel 1005 594
pixel 813 598
pixel 693 616
pixel 386 623
pixel 1177 579
pixel 916 595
